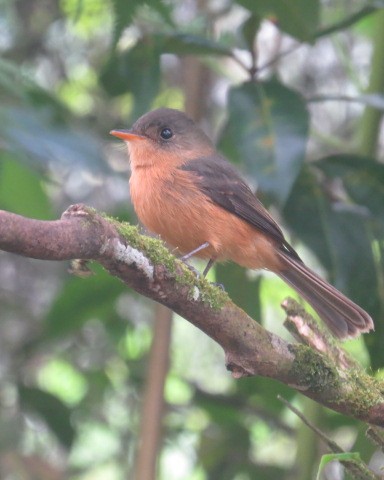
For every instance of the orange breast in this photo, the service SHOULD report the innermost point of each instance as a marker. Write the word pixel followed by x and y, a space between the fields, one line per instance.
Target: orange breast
pixel 169 204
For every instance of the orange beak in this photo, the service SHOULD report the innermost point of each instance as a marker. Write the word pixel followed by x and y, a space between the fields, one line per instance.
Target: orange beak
pixel 126 135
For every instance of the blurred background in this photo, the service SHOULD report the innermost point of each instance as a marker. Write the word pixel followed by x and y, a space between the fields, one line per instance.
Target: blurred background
pixel 292 92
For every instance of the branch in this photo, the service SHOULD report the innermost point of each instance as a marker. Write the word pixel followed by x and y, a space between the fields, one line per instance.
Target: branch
pixel 144 264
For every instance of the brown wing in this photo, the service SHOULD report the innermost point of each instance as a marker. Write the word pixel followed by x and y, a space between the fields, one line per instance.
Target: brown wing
pixel 219 180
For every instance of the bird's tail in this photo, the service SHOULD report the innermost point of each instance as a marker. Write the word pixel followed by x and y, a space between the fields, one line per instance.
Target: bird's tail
pixel 343 317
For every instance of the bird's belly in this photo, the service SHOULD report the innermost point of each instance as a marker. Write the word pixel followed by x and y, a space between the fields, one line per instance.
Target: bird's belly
pixel 185 219
pixel 171 210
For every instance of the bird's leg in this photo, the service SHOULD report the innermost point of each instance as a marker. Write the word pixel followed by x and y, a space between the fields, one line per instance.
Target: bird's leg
pixel 188 255
pixel 196 250
pixel 206 270
pixel 208 267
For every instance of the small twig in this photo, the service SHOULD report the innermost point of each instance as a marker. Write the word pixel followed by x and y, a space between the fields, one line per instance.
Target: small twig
pixel 278 57
pixel 376 435
pixel 357 468
pixel 331 444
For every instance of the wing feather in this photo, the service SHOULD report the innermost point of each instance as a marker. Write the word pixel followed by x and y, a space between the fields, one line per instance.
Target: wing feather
pixel 219 181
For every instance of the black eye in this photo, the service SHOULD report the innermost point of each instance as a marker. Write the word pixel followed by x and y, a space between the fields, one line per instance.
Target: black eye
pixel 166 133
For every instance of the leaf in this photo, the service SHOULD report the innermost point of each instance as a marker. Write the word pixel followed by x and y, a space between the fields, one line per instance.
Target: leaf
pixel 32 136
pixel 358 238
pixel 350 20
pixel 341 237
pixel 124 13
pixel 307 213
pixel 249 30
pixel 21 190
pixel 353 262
pixel 52 410
pixel 123 16
pixel 298 18
pixel 244 291
pixel 352 462
pixel 22 88
pixel 79 301
pixel 363 179
pixel 188 44
pixel 267 128
pixel 136 71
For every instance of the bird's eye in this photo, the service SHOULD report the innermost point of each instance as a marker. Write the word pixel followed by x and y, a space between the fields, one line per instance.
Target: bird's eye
pixel 166 133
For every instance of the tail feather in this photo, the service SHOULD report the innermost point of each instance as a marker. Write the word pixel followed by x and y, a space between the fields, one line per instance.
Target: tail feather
pixel 343 317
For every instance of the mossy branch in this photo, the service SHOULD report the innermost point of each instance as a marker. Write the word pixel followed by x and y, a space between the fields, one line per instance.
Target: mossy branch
pixel 144 264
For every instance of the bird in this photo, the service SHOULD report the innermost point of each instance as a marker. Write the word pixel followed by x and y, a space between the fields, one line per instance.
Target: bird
pixel 190 195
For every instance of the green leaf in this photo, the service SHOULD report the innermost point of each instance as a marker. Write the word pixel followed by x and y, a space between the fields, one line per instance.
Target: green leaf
pixel 341 236
pixel 298 18
pixel 358 238
pixel 249 30
pixel 21 190
pixel 79 301
pixel 350 20
pixel 267 128
pixel 307 214
pixel 353 259
pixel 124 13
pixel 123 16
pixel 136 71
pixel 52 410
pixel 188 44
pixel 20 87
pixel 363 179
pixel 244 291
pixel 352 462
pixel 31 134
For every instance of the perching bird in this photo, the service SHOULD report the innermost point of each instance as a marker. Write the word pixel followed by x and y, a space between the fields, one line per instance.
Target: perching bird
pixel 185 191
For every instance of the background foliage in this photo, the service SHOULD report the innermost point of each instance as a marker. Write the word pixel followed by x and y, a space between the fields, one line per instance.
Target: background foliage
pixel 293 94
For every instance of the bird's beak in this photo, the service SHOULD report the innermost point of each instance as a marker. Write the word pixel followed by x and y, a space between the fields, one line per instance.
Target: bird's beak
pixel 126 135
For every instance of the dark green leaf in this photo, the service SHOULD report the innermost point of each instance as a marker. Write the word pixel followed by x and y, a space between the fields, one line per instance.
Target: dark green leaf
pixel 350 20
pixel 363 179
pixel 298 18
pixel 267 128
pixel 358 238
pixel 79 301
pixel 188 44
pixel 124 13
pixel 341 236
pixel 21 190
pixel 31 135
pixel 249 30
pixel 350 238
pixel 52 410
pixel 244 291
pixel 306 212
pixel 136 71
pixel 20 87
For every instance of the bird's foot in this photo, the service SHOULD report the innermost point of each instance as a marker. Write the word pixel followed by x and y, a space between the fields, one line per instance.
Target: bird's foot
pixel 191 268
pixel 200 275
